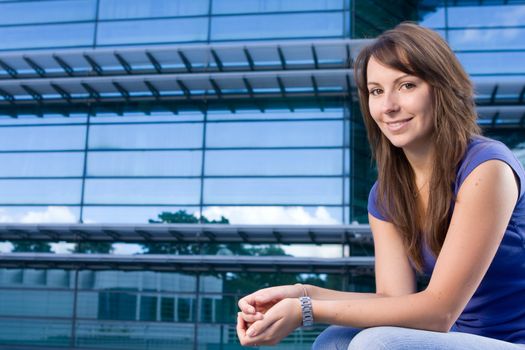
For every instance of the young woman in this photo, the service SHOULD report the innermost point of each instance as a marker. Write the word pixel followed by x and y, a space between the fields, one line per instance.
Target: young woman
pixel 447 202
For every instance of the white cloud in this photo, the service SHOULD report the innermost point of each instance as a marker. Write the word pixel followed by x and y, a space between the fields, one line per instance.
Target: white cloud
pixel 126 249
pixel 6 247
pixel 62 247
pixel 271 215
pixel 282 216
pixel 50 215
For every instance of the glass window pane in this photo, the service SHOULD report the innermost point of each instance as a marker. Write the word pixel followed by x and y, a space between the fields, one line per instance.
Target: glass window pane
pixel 138 336
pixel 167 309
pixel 129 215
pixel 110 9
pixel 135 191
pixel 276 215
pixel 146 136
pixel 276 134
pixel 148 308
pixel 336 113
pixel 42 138
pixel 274 162
pixel 40 191
pixel 277 26
pixel 43 214
pixel 260 6
pixel 493 62
pixel 47 11
pixel 181 163
pixel 433 19
pixel 273 191
pixel 41 164
pixel 36 303
pixel 153 31
pixel 35 332
pixel 487 39
pixel 486 16
pixel 185 309
pixel 55 35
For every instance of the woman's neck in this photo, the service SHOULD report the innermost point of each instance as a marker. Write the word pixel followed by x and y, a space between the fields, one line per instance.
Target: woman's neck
pixel 421 160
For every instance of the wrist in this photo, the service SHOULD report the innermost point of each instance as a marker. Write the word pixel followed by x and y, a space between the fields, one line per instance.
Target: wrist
pixel 300 290
pixel 307 313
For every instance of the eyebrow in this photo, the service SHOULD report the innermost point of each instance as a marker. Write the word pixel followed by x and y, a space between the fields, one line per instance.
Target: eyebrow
pixel 395 81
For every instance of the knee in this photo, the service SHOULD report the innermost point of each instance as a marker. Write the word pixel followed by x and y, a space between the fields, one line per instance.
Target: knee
pixel 334 338
pixel 375 338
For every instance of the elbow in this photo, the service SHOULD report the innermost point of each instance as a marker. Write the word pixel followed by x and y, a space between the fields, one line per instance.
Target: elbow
pixel 443 322
pixel 442 316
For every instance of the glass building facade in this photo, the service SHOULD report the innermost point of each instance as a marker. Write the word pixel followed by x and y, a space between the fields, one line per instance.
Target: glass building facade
pixel 116 111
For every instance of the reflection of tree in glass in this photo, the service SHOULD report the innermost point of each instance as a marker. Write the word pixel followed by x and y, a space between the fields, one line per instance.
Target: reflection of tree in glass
pixel 31 246
pixel 93 247
pixel 233 282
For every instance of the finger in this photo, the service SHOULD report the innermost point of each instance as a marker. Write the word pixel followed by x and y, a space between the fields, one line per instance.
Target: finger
pixel 241 327
pixel 251 318
pixel 260 326
pixel 247 304
pixel 269 296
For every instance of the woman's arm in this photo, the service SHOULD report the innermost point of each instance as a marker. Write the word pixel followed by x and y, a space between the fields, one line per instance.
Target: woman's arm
pixel 394 276
pixel 481 214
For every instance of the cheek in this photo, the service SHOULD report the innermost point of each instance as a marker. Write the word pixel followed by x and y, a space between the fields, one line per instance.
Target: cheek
pixel 374 111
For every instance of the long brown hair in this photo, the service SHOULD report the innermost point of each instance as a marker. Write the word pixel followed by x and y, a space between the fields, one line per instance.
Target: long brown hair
pixel 421 52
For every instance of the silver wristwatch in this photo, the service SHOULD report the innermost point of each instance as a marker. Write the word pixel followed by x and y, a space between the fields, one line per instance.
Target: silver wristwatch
pixel 306 309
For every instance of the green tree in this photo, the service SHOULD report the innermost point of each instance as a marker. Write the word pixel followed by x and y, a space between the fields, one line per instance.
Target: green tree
pixel 93 247
pixel 31 246
pixel 183 217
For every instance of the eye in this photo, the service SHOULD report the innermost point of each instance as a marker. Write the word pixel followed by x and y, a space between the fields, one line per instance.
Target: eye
pixel 408 86
pixel 375 92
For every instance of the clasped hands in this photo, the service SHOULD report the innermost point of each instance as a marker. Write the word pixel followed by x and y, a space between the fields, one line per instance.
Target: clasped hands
pixel 269 315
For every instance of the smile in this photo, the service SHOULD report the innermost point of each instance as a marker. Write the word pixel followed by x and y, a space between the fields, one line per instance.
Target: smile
pixel 398 124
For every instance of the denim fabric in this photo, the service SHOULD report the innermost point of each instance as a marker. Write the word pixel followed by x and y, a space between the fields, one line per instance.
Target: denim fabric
pixel 397 338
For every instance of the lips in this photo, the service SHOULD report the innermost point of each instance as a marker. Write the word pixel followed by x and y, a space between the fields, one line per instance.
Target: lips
pixel 398 124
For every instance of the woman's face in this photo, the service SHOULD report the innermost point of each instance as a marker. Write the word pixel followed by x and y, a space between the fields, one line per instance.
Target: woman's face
pixel 401 105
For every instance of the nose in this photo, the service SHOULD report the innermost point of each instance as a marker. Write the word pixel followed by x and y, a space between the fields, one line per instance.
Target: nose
pixel 390 103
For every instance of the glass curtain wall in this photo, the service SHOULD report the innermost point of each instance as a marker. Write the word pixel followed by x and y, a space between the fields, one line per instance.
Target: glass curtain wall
pixel 279 166
pixel 489 42
pixel 56 308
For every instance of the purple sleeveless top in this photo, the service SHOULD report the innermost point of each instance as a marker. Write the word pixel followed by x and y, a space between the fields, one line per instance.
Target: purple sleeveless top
pixel 497 308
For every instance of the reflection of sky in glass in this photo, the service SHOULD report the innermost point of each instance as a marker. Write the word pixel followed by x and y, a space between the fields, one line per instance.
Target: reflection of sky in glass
pixel 146 136
pixel 274 162
pixel 493 62
pixel 40 191
pixel 487 39
pixel 434 19
pixel 41 164
pixel 139 191
pixel 42 138
pixel 273 191
pixel 180 163
pixel 276 134
pixel 486 16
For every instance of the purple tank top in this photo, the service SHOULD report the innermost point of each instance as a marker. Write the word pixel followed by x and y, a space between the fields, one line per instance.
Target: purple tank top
pixel 497 308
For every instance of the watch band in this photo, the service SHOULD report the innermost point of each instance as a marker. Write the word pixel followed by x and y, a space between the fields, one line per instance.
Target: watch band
pixel 306 309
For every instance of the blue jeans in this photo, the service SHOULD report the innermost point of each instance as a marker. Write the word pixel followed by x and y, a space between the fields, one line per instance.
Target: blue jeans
pixel 397 338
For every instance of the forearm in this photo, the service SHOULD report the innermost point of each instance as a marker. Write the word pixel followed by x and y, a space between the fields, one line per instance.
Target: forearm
pixel 319 293
pixel 419 310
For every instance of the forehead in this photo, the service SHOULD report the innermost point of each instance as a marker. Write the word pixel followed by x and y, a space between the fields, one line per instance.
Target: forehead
pixel 376 72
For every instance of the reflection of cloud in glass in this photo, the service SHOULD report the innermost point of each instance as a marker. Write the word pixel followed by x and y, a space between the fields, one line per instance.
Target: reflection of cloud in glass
pixel 49 215
pixel 271 215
